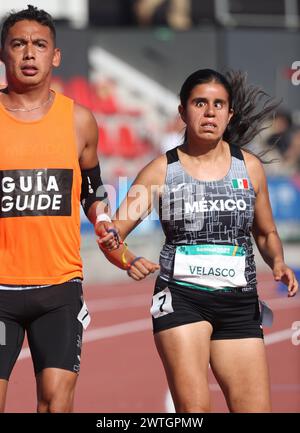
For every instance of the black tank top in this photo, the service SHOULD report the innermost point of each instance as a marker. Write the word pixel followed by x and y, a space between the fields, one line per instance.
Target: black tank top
pixel 194 212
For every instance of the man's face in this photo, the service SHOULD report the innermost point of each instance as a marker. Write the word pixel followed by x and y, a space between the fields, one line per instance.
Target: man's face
pixel 29 54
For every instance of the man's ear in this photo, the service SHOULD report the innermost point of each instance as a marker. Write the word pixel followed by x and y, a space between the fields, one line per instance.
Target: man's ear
pixel 181 112
pixel 56 58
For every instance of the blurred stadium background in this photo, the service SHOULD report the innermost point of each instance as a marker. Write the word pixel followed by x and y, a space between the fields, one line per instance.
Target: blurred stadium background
pixel 126 61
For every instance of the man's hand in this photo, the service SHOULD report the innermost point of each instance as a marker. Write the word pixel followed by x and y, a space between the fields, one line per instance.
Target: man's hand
pixel 108 235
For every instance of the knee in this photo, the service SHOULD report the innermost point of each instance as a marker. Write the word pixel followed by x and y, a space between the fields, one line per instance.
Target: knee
pixel 192 407
pixel 55 406
pixel 42 407
pixel 248 405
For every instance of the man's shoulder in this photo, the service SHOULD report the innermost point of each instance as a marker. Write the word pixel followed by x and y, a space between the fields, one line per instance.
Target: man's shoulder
pixel 84 118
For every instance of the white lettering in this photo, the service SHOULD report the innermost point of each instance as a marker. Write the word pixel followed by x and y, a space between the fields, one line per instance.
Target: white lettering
pixel 47 202
pixel 228 203
pixel 39 181
pixel 56 201
pixel 23 187
pixel 241 205
pixel 52 184
pixel 8 184
pixel 214 205
pixel 6 207
pixel 203 205
pixel 190 208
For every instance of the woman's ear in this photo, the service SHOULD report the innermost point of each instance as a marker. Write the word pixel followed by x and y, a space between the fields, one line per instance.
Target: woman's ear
pixel 230 114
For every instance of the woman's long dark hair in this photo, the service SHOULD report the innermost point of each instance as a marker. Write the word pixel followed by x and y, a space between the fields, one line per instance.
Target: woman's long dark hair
pixel 252 106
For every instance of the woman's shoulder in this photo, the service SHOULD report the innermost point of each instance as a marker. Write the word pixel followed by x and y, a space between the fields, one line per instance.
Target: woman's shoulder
pixel 252 161
pixel 155 171
pixel 255 169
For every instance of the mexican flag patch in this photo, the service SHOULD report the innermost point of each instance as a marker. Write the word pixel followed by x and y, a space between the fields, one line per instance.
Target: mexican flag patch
pixel 240 184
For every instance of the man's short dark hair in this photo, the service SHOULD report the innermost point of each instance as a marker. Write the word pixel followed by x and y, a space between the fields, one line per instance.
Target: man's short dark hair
pixel 32 13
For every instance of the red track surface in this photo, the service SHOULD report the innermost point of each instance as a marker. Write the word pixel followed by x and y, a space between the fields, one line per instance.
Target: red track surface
pixel 121 371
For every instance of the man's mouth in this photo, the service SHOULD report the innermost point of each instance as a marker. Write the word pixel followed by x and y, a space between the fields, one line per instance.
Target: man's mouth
pixel 29 70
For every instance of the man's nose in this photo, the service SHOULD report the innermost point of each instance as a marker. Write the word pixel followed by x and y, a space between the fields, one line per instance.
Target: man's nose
pixel 29 52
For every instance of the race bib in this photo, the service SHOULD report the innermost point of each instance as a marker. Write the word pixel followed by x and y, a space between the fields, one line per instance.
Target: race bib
pixel 162 303
pixel 216 266
pixel 84 316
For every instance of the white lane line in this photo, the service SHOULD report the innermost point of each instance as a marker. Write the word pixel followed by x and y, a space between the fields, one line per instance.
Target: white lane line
pixel 116 330
pixel 277 337
pixel 283 303
pixel 118 302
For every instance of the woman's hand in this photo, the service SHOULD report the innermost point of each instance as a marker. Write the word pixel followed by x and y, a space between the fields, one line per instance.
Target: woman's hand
pixel 285 274
pixel 141 267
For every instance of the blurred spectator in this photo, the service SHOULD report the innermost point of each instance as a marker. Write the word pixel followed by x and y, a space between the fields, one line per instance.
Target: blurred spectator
pixel 282 145
pixel 279 132
pixel 291 157
pixel 111 13
pixel 173 13
pixel 106 99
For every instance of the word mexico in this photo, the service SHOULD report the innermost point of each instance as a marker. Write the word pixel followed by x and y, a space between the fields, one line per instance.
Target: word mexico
pixel 37 192
pixel 214 205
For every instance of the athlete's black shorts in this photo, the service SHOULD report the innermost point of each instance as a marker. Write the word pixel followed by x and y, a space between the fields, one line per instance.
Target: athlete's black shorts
pixel 232 314
pixel 49 317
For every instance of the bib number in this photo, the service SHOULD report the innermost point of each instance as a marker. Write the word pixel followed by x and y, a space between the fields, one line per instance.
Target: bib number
pixel 162 303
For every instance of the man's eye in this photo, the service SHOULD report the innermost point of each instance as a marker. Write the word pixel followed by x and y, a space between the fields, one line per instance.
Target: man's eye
pixel 218 105
pixel 200 104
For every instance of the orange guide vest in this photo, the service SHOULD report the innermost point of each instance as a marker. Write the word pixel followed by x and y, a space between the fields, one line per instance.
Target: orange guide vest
pixel 40 186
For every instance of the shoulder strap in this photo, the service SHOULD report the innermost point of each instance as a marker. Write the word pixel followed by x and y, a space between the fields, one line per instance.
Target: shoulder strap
pixel 236 152
pixel 172 155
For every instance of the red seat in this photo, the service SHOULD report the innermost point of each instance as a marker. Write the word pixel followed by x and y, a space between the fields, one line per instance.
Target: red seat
pixel 78 88
pixel 126 142
pixel 129 145
pixel 105 143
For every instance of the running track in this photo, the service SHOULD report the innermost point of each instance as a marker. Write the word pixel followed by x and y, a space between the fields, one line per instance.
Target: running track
pixel 121 371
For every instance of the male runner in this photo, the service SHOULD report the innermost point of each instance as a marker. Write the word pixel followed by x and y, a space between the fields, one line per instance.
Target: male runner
pixel 48 166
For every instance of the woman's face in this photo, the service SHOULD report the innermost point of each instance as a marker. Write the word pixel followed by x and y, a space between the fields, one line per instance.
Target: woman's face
pixel 207 112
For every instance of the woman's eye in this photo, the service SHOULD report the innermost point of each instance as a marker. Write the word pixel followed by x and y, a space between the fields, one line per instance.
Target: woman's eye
pixel 218 105
pixel 200 104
